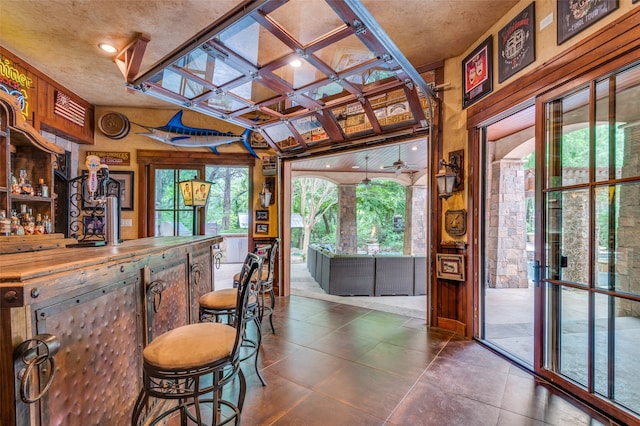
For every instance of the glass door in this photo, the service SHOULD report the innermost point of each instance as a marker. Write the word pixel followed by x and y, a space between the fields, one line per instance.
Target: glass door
pixel 171 216
pixel 591 238
pixel 508 229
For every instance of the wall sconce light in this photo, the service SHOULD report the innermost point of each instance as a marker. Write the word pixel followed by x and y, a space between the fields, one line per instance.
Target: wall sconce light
pixel 195 193
pixel 450 179
pixel 265 196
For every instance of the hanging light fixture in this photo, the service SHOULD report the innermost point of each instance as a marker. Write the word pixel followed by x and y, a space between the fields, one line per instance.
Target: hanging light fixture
pixel 449 179
pixel 195 193
pixel 366 181
pixel 265 196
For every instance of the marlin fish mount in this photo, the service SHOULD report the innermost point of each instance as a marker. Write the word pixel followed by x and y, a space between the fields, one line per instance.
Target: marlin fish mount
pixel 177 134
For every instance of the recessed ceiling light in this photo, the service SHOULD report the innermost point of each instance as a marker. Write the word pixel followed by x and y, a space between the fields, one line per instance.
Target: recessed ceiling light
pixel 355 167
pixel 414 148
pixel 296 63
pixel 328 166
pixel 107 48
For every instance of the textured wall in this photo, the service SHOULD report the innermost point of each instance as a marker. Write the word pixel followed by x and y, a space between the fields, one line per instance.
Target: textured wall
pixel 347 232
pixel 506 254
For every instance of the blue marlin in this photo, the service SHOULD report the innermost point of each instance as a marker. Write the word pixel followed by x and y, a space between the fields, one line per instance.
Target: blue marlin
pixel 177 134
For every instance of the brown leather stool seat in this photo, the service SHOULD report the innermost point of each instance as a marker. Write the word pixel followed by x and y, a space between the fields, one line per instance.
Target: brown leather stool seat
pixel 191 365
pixel 218 305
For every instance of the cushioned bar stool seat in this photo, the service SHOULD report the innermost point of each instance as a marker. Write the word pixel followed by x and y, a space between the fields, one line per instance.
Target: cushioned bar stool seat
pixel 191 364
pixel 173 349
pixel 217 305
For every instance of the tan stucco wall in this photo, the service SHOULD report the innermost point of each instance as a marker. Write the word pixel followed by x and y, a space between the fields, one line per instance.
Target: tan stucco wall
pixel 134 141
pixel 455 118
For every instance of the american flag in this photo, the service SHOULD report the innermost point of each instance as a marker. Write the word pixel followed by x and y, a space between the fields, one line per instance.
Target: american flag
pixel 69 109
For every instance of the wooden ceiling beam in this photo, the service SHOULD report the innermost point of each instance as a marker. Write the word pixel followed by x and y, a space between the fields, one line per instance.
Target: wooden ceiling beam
pixel 129 59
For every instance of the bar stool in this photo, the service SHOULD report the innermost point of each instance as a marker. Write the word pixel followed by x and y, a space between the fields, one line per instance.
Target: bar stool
pixel 218 304
pixel 175 365
pixel 267 282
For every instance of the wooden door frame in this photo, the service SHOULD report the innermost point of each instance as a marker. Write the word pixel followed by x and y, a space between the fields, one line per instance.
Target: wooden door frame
pixel 147 159
pixel 607 50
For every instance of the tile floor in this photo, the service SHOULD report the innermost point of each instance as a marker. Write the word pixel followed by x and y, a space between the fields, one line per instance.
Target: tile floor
pixel 332 364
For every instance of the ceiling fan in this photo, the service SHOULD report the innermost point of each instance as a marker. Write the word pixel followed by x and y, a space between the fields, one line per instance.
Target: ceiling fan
pixel 366 181
pixel 399 165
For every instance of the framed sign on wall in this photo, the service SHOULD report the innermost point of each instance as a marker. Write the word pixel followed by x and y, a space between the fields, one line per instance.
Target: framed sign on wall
pixel 516 43
pixel 477 73
pixel 450 266
pixel 575 16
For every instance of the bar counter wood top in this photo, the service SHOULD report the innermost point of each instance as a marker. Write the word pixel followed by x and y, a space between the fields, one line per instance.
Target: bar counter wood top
pixel 100 306
pixel 19 267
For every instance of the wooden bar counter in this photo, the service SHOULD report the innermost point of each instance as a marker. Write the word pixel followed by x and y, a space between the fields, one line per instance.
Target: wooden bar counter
pixel 100 306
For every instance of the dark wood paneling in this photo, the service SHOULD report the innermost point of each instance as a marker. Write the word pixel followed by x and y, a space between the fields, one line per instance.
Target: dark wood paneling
pixel 41 99
pixel 181 158
pixel 47 120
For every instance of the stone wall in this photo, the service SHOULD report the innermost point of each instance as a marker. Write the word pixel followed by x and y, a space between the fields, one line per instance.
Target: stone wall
pixel 505 249
pixel 415 231
pixel 347 232
pixel 628 251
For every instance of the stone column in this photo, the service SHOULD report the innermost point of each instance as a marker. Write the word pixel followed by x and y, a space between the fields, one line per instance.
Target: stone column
pixel 347 232
pixel 506 251
pixel 628 247
pixel 415 223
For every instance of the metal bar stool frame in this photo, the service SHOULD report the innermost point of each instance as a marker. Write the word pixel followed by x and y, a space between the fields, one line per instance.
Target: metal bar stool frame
pixel 211 312
pixel 184 384
pixel 267 285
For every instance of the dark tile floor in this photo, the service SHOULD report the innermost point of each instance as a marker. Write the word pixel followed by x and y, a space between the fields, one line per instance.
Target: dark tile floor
pixel 335 364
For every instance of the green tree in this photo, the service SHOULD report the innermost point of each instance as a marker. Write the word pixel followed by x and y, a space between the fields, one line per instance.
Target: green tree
pixel 313 199
pixel 228 197
pixel 376 207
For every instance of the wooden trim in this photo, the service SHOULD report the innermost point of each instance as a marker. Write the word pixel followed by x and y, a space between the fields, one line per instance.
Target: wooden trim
pixel 150 160
pixel 452 325
pixel 18 124
pixel 193 158
pixel 473 217
pixel 612 42
pixel 605 51
pixel 7 395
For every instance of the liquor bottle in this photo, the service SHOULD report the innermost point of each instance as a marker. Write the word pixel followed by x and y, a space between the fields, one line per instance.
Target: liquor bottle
pixel 28 223
pixel 16 227
pixel 39 225
pixel 15 185
pixel 5 224
pixel 44 189
pixel 23 211
pixel 46 222
pixel 39 187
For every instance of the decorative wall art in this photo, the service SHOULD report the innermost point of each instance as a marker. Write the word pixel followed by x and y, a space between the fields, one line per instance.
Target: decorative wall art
pixel 477 74
pixel 576 15
pixel 258 141
pixel 455 222
pixel 126 188
pixel 450 266
pixel 516 43
pixel 262 228
pixel 262 215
